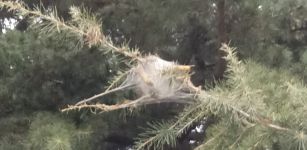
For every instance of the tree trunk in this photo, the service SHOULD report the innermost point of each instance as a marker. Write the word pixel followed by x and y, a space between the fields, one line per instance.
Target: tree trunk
pixel 221 21
pixel 222 37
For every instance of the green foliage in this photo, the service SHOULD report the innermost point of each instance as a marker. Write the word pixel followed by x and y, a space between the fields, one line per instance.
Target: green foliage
pixel 154 26
pixel 257 107
pixel 52 132
pixel 259 91
pixel 13 131
pixel 41 72
pixel 271 32
pixel 43 131
pixel 161 134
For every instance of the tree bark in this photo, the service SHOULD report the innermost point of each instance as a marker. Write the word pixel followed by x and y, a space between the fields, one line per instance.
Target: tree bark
pixel 221 21
pixel 222 37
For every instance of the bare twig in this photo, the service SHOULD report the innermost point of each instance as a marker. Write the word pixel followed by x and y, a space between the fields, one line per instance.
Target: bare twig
pixel 104 93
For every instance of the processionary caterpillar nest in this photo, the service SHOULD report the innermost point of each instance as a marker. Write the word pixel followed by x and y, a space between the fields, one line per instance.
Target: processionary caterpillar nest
pixel 154 80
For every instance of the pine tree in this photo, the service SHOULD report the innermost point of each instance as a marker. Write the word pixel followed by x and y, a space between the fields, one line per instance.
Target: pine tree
pixel 255 108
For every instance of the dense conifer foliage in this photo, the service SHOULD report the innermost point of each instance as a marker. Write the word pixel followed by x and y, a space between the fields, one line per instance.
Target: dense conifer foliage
pixel 142 74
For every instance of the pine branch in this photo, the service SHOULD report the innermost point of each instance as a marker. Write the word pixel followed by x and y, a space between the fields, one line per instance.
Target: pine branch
pixel 116 80
pixel 202 146
pixel 85 25
pixel 242 102
pixel 218 108
pixel 91 29
pixel 130 104
pixel 153 137
pixel 104 93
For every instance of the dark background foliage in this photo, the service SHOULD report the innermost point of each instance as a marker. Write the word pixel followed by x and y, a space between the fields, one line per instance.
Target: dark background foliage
pixel 41 74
